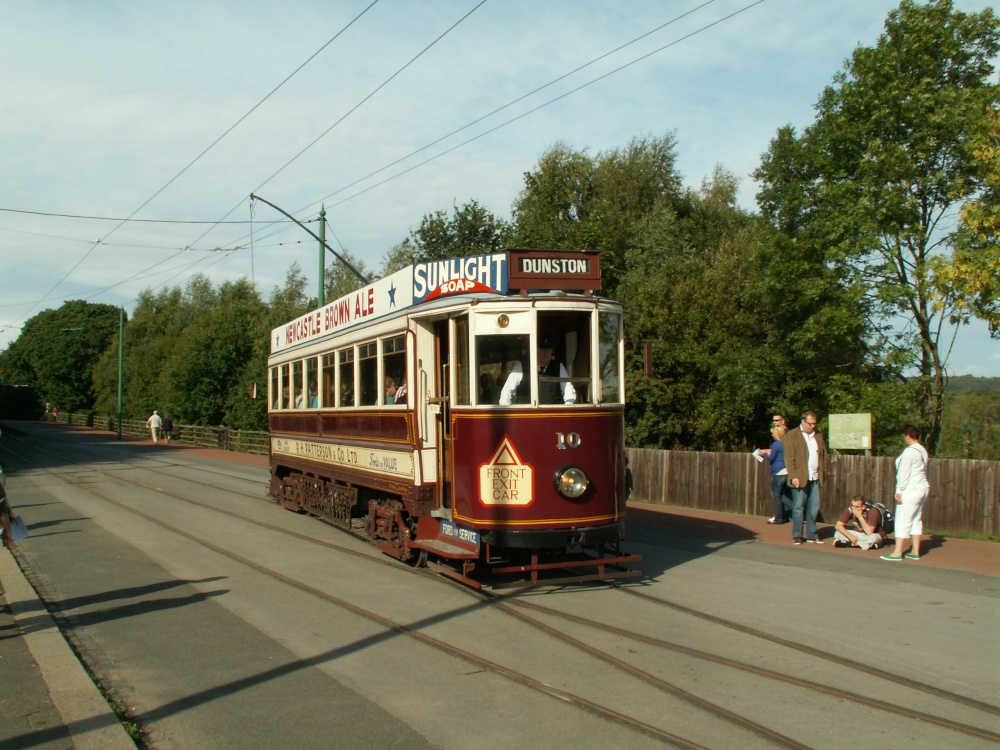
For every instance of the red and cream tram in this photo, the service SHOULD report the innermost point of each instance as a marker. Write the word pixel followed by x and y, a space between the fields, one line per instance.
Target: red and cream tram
pixel 405 407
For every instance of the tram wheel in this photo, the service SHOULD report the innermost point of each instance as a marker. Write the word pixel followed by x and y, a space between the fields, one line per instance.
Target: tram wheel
pixel 420 561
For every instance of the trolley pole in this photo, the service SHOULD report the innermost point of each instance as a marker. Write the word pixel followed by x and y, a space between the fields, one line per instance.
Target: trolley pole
pixel 338 256
pixel 321 296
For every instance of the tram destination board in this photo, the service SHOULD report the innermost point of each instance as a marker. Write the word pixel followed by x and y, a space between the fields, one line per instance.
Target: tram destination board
pixel 555 269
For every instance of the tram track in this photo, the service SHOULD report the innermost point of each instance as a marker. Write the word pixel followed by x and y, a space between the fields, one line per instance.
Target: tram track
pixel 411 631
pixel 518 608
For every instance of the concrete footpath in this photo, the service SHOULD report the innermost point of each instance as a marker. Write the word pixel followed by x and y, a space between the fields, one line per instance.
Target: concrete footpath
pixel 47 699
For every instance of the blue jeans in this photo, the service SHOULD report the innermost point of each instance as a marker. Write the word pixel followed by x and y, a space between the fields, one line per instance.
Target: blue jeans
pixel 781 498
pixel 805 499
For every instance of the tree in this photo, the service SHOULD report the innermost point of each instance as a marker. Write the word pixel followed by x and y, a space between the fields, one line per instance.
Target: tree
pixel 572 201
pixel 471 230
pixel 340 280
pixel 872 182
pixel 973 277
pixel 58 349
pixel 218 358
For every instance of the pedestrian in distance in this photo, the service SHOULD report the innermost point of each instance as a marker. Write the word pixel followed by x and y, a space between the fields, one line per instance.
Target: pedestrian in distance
pixel 166 427
pixel 912 490
pixel 860 525
pixel 805 459
pixel 154 423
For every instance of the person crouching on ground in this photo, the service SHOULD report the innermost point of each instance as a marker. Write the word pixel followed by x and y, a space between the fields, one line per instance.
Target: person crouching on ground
pixel 859 526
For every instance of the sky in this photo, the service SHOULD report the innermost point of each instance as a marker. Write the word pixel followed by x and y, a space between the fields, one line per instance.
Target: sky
pixel 172 114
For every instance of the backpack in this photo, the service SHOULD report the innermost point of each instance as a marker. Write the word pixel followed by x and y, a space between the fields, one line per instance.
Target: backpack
pixel 888 520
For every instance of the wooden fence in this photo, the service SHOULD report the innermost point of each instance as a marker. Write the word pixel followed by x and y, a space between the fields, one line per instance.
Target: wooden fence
pixel 965 495
pixel 242 441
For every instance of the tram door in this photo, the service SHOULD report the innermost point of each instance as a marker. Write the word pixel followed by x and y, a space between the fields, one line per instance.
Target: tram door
pixel 442 339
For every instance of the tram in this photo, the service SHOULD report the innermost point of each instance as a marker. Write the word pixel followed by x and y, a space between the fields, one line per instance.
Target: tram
pixel 467 414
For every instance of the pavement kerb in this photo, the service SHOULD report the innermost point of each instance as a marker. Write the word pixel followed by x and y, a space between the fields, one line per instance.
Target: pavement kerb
pixel 91 722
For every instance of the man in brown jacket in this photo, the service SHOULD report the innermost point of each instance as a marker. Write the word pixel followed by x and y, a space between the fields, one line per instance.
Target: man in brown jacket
pixel 805 459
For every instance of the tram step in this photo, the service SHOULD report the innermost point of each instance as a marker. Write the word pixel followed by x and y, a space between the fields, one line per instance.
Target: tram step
pixel 443 548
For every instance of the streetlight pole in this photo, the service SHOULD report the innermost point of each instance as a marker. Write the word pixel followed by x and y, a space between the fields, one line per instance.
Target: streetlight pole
pixel 121 368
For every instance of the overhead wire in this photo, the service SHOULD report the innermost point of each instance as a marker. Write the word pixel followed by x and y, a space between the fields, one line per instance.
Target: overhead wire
pixel 511 103
pixel 521 98
pixel 227 252
pixel 352 110
pixel 128 219
pixel 528 112
pixel 205 151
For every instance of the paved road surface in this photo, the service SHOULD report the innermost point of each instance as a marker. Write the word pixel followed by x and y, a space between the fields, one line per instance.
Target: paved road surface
pixel 161 560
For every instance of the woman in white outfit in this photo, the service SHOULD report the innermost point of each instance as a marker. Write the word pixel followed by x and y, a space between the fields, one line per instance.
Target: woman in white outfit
pixel 912 490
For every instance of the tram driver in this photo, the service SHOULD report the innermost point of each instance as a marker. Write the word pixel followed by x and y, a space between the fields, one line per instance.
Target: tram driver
pixel 550 390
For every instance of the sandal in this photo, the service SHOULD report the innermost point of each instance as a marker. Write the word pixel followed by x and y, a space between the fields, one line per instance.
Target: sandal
pixel 891 557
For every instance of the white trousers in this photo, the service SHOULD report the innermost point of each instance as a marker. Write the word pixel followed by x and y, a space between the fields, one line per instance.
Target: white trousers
pixel 909 512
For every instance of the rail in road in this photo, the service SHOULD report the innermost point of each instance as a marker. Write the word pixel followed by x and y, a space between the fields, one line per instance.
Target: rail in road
pixel 627 663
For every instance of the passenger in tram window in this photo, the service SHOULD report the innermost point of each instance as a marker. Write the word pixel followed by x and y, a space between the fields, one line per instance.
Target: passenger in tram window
pixel 401 393
pixel 284 397
pixel 487 389
pixel 390 390
pixel 550 391
pixel 313 396
pixel 346 394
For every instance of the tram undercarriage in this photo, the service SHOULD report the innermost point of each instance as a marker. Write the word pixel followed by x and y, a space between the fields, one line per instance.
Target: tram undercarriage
pixel 584 554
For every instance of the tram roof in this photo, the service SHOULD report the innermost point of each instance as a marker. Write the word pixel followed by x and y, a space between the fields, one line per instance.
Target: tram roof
pixel 514 271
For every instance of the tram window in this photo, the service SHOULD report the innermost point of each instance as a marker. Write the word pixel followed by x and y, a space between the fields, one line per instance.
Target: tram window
pixel 609 329
pixel 569 332
pixel 496 357
pixel 285 403
pixel 297 394
pixel 463 396
pixel 275 386
pixel 346 359
pixel 328 380
pixel 394 367
pixel 368 373
pixel 312 387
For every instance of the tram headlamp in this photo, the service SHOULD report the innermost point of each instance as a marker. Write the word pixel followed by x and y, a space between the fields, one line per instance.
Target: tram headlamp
pixel 571 482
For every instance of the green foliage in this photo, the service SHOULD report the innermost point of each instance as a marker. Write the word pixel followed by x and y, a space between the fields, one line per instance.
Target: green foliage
pixel 739 326
pixel 573 201
pixel 971 425
pixel 471 230
pixel 966 383
pixel 338 280
pixel 870 185
pixel 57 350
